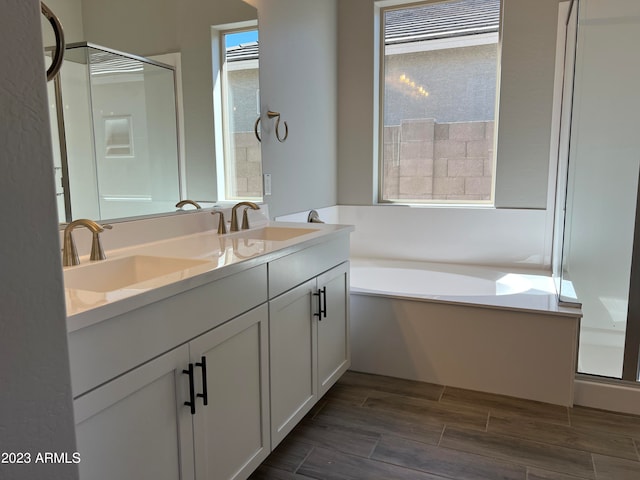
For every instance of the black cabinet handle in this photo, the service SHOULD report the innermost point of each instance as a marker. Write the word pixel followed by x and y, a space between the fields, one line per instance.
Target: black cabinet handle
pixel 203 365
pixel 324 301
pixel 322 304
pixel 192 401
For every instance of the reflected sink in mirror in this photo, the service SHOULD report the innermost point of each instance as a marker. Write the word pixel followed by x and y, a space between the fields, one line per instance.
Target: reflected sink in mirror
pixel 277 234
pixel 110 275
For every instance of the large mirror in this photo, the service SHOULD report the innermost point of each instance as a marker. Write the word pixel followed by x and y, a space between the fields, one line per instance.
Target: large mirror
pixel 115 134
pixel 184 30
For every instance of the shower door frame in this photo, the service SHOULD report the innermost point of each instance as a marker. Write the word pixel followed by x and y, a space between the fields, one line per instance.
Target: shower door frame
pixel 631 358
pixel 631 353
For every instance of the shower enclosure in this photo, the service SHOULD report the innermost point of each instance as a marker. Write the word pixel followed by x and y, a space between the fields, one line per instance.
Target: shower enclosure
pixel 114 124
pixel 598 183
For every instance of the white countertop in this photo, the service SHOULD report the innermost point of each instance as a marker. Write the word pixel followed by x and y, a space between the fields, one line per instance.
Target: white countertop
pixel 222 255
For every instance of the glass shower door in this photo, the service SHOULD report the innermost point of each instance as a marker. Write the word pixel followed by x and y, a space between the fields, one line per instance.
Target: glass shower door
pixel 602 183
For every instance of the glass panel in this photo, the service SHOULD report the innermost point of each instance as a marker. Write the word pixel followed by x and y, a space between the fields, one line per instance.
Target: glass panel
pixel 134 114
pixel 242 159
pixel 440 74
pixel 120 129
pixel 603 179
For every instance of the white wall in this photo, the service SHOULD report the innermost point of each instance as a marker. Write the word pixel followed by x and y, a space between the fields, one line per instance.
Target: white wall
pixel 298 78
pixel 35 399
pixel 357 89
pixel 69 12
pixel 528 50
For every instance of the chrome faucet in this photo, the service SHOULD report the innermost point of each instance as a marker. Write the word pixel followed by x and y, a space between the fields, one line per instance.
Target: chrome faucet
pixel 245 218
pixel 69 252
pixel 222 228
pixel 182 203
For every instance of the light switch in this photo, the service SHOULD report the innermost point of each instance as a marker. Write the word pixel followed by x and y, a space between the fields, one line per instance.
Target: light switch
pixel 267 184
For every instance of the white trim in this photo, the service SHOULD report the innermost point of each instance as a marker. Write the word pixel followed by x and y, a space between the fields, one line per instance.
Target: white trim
pixel 442 43
pixel 552 187
pixel 242 65
pixel 607 395
pixel 218 135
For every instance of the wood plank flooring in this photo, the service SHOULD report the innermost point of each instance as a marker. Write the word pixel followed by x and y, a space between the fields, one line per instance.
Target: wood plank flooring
pixel 380 428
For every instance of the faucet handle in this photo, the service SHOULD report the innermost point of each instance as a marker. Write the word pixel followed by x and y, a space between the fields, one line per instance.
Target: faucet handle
pixel 222 228
pixel 245 220
pixel 97 253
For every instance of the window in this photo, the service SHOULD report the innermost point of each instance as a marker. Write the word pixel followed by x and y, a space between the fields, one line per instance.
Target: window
pixel 439 101
pixel 241 108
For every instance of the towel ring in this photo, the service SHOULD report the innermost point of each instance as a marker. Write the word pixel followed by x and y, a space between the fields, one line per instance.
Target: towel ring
pixel 56 63
pixel 255 129
pixel 276 115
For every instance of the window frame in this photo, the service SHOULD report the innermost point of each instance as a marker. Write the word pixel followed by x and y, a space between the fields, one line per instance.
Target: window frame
pixel 222 119
pixel 382 7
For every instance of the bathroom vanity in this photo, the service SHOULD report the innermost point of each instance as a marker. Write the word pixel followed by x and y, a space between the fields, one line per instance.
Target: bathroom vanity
pixel 202 367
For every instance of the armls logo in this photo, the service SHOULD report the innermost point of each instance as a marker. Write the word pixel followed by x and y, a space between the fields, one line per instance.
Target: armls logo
pixel 58 458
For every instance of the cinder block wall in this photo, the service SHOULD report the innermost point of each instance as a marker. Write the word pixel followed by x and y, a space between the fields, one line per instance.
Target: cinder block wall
pixel 427 160
pixel 248 166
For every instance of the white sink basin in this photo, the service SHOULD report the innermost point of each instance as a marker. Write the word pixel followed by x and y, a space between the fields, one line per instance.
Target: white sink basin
pixel 277 234
pixel 110 275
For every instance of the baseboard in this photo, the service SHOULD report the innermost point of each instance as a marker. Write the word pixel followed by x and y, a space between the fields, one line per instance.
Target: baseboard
pixel 623 397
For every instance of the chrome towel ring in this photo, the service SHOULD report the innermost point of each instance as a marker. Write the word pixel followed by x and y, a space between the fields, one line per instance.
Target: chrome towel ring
pixel 276 115
pixel 58 56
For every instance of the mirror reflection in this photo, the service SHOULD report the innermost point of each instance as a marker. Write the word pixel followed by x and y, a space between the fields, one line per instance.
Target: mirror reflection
pixel 115 139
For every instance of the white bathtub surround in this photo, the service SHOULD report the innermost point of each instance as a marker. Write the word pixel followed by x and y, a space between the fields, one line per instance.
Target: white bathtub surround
pixel 495 331
pixel 445 234
pixel 471 235
pixel 327 215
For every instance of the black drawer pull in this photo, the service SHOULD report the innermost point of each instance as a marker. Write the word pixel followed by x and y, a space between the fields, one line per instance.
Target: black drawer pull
pixel 322 303
pixel 203 365
pixel 192 401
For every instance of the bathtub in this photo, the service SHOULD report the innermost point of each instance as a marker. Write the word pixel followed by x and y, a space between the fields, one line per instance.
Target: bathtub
pixel 484 329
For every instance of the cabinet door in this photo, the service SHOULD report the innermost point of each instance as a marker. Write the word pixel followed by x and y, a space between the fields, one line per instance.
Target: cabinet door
pixel 334 356
pixel 136 426
pixel 292 336
pixel 232 431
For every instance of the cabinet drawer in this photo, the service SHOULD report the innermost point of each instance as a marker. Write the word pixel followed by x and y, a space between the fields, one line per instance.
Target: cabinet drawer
pixel 287 272
pixel 107 349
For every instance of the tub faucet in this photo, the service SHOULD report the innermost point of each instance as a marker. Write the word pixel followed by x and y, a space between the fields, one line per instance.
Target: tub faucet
pixel 245 218
pixel 69 252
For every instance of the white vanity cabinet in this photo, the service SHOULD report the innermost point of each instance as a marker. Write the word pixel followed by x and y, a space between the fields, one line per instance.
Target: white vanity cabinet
pixel 334 355
pixel 151 421
pixel 136 426
pixel 203 380
pixel 308 330
pixel 232 366
pixel 206 401
pixel 293 358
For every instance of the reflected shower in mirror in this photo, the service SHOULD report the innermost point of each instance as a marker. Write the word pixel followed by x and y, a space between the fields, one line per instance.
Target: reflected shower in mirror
pixel 115 135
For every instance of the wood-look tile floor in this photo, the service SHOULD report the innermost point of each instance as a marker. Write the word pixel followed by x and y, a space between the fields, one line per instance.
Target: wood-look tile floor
pixel 382 428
